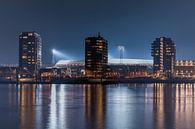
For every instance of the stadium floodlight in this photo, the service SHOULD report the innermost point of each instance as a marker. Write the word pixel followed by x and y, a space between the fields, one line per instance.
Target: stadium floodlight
pixel 53 56
pixel 56 55
pixel 121 50
pixel 53 51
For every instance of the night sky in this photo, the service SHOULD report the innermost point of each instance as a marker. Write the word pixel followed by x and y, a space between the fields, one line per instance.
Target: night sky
pixel 64 24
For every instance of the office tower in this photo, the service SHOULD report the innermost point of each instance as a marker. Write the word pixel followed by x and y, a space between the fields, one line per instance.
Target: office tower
pixel 163 52
pixel 96 56
pixel 30 52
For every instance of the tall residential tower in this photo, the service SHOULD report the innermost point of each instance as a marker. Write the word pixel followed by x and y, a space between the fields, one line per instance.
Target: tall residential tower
pixel 164 53
pixel 30 55
pixel 96 56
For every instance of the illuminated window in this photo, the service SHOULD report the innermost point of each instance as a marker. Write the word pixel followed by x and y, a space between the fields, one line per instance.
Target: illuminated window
pixel 24 57
pixel 30 34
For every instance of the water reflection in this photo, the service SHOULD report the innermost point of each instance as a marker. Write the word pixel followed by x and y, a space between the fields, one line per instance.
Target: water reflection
pixel 148 106
pixel 174 106
pixel 95 104
pixel 32 102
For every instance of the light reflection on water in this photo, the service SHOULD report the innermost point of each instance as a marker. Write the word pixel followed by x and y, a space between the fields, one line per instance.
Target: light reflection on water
pixel 124 106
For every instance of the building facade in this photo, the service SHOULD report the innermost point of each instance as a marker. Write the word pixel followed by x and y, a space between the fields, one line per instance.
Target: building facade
pixel 8 73
pixel 128 71
pixel 30 56
pixel 185 69
pixel 96 56
pixel 164 54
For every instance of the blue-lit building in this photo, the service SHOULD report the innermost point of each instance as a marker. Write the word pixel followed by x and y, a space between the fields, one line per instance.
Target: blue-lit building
pixel 30 56
pixel 164 56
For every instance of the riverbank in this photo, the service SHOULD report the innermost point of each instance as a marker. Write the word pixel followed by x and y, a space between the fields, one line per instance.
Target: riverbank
pixel 101 81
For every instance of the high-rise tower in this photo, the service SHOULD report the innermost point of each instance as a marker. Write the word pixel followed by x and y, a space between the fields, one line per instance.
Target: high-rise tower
pixel 96 56
pixel 164 53
pixel 30 55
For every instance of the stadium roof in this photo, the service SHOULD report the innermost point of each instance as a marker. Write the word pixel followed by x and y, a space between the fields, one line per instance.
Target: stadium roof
pixel 62 63
pixel 130 61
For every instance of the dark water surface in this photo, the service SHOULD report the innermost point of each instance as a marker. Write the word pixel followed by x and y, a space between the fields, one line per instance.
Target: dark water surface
pixel 124 106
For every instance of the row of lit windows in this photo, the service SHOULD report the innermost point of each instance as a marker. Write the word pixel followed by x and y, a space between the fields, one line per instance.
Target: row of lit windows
pixel 185 63
pixel 31 43
pixel 29 57
pixel 31 62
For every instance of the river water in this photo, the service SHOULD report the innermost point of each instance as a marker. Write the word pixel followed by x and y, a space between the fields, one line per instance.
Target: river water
pixel 122 106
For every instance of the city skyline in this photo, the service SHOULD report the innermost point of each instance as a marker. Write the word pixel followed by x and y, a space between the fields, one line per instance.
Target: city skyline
pixel 133 24
pixel 97 64
pixel 111 54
